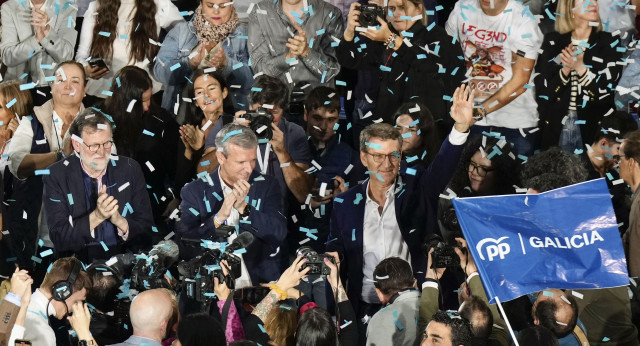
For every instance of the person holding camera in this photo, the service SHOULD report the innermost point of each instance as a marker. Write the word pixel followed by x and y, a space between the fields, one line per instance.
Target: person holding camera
pixel 315 326
pixel 410 60
pixel 474 304
pixel 389 214
pixel 236 195
pixel 283 152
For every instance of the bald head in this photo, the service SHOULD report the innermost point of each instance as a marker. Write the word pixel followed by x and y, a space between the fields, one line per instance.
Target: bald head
pixel 150 313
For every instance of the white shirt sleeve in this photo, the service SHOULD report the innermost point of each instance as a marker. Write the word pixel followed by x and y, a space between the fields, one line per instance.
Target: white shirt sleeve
pixel 167 14
pixel 458 138
pixel 20 145
pixel 17 332
pixel 86 34
pixel 452 22
pixel 527 39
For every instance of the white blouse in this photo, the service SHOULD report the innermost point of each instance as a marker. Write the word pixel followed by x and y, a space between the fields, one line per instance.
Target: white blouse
pixel 167 15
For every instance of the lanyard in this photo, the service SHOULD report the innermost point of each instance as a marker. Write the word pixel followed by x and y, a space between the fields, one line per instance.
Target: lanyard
pixel 263 162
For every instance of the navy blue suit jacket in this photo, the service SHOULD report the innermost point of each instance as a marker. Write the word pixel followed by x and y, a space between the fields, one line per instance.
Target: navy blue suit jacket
pixel 416 201
pixel 64 195
pixel 267 223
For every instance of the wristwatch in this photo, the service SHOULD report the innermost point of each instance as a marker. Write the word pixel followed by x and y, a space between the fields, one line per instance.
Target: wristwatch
pixel 90 342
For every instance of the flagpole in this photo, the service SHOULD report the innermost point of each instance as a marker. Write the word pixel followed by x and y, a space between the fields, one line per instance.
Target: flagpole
pixel 506 320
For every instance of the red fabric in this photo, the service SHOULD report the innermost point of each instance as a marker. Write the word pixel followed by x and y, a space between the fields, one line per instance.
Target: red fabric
pixel 307 306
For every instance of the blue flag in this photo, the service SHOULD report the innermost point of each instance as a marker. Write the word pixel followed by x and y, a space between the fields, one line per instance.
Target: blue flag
pixel 565 238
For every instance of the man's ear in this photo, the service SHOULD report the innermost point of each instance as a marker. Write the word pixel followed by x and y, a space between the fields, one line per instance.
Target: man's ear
pixel 76 145
pixel 305 114
pixel 363 158
pixel 220 157
pixel 381 296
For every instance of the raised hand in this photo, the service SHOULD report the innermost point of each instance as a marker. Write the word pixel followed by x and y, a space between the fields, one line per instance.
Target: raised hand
pixel 462 108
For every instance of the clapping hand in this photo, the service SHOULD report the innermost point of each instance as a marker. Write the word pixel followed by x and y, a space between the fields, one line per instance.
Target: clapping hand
pixel 298 46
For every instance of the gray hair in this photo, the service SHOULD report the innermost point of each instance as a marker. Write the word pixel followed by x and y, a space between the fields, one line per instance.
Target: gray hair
pixel 236 134
pixel 380 131
pixel 91 120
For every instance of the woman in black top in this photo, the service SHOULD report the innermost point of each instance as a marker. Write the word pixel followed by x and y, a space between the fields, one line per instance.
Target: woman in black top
pixel 578 72
pixel 413 62
pixel 144 132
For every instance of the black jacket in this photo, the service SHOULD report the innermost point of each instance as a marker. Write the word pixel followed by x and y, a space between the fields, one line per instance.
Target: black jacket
pixel 553 96
pixel 410 73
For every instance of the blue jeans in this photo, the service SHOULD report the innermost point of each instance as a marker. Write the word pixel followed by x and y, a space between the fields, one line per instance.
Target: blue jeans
pixel 570 137
pixel 524 146
pixel 315 288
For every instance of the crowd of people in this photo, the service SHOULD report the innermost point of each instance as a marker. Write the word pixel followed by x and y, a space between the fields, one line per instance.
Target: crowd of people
pixel 212 172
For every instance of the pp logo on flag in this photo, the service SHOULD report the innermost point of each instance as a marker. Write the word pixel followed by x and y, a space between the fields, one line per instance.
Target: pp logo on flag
pixel 497 248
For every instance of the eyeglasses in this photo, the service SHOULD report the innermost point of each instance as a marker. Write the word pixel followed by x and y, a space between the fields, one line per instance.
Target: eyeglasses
pixel 480 170
pixel 94 147
pixel 394 157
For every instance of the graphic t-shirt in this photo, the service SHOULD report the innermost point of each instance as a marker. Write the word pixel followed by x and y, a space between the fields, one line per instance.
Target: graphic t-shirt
pixel 490 44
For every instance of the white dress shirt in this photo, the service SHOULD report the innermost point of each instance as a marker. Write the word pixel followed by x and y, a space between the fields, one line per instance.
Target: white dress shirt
pixel 381 232
pixel 234 218
pixel 382 239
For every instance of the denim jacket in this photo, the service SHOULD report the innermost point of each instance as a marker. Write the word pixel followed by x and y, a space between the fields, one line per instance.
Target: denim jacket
pixel 172 66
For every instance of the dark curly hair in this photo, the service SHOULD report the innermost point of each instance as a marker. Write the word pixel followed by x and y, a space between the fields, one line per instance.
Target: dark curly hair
pixel 506 166
pixel 552 169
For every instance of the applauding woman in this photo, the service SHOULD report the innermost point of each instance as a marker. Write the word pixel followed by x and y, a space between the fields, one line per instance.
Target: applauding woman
pixel 213 39
pixel 578 70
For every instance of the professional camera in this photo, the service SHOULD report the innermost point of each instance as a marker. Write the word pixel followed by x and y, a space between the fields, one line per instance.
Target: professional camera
pixel 148 273
pixel 199 273
pixel 314 260
pixel 261 121
pixel 444 255
pixel 369 15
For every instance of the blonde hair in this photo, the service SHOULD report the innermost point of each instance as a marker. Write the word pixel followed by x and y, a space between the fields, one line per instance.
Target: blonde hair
pixel 281 324
pixel 10 90
pixel 564 19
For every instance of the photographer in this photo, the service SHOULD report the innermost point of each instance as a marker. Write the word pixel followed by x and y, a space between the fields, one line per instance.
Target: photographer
pixel 286 155
pixel 477 310
pixel 407 57
pixel 315 327
pixel 236 195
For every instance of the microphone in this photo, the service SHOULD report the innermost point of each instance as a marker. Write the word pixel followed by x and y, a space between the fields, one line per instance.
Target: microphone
pixel 242 241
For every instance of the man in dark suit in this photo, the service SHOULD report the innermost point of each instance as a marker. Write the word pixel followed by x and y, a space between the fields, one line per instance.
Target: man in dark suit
pixel 388 214
pixel 96 204
pixel 236 195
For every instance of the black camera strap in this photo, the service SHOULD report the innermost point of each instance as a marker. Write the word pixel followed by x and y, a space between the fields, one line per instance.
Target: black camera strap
pixel 225 309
